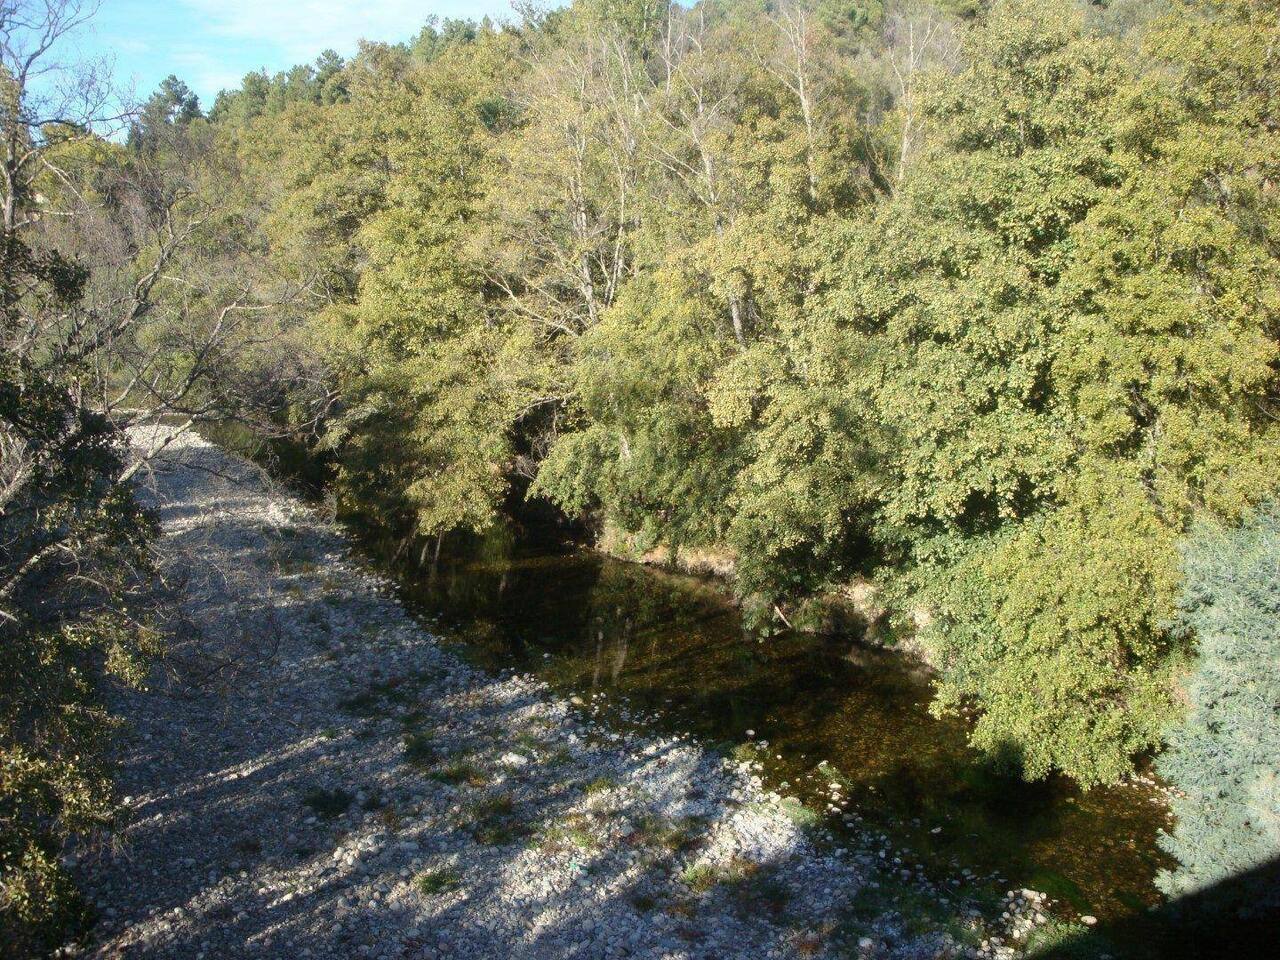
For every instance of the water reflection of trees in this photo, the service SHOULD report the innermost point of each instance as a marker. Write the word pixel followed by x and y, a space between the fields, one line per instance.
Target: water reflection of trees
pixel 671 643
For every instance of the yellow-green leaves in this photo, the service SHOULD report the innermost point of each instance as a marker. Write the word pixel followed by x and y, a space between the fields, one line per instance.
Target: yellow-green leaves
pixel 1063 327
pixel 996 317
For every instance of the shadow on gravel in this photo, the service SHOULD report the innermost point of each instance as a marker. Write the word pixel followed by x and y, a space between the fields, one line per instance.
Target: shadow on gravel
pixel 277 812
pixel 234 919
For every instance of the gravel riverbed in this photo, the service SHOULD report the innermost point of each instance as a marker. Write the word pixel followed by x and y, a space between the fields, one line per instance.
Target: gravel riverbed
pixel 313 774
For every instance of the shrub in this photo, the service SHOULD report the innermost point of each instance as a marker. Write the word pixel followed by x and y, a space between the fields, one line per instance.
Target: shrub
pixel 1225 757
pixel 74 595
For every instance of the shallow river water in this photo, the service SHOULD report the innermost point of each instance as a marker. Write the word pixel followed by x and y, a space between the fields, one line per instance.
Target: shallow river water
pixel 643 645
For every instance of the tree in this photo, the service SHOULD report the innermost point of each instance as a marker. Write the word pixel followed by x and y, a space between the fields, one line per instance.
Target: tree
pixel 741 151
pixel 562 194
pixel 71 540
pixel 116 309
pixel 1046 388
pixel 240 106
pixel 436 36
pixel 980 297
pixel 919 39
pixel 431 387
pixel 647 457
pixel 328 78
pixel 1222 758
pixel 172 107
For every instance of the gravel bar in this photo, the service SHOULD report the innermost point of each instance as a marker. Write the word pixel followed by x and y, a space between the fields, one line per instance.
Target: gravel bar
pixel 312 774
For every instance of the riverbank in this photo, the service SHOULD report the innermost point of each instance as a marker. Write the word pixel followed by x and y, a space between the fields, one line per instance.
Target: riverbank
pixel 313 775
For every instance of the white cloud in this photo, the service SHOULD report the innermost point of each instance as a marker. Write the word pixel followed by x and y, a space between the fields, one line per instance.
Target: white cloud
pixel 301 29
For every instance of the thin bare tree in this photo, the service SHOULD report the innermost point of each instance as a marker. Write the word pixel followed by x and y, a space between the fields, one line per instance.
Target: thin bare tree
pixel 918 39
pixel 167 323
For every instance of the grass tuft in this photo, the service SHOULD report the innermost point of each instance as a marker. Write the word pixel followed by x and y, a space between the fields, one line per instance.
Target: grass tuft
pixel 748 752
pixel 676 835
pixel 803 817
pixel 431 883
pixel 704 876
pixel 493 820
pixel 327 803
pixel 600 785
pixel 420 749
pixel 529 742
pixel 700 877
pixel 460 771
pixel 1067 940
pixel 575 832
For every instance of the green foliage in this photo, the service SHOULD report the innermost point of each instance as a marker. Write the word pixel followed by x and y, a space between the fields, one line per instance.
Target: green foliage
pixel 433 882
pixel 1070 667
pixel 827 287
pixel 73 559
pixel 319 83
pixel 980 297
pixel 494 820
pixel 172 105
pixel 1223 758
pixel 1045 387
pixel 425 378
pixel 651 455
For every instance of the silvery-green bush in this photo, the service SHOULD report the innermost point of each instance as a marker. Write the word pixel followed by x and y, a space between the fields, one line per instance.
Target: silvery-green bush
pixel 1225 757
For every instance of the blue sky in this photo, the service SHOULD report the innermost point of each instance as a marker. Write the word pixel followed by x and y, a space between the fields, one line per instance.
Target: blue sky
pixel 211 44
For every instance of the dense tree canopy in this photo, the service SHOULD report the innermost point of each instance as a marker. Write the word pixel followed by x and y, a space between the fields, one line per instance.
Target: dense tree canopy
pixel 1051 387
pixel 978 299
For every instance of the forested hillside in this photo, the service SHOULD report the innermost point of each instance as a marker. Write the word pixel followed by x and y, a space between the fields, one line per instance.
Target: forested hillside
pixel 979 302
pixel 974 300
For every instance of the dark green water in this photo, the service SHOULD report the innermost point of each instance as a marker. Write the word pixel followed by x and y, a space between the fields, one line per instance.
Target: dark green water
pixel 642 641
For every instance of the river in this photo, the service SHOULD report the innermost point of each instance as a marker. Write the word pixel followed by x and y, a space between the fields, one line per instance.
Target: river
pixel 641 645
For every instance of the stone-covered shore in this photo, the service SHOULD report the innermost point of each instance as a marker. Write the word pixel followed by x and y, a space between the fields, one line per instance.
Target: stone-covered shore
pixel 312 774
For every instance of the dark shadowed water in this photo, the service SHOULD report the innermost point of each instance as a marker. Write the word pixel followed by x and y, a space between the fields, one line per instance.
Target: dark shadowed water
pixel 643 641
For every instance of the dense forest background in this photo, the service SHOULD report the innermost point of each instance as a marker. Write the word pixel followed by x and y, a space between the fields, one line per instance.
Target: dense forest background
pixel 980 302
pixel 976 301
